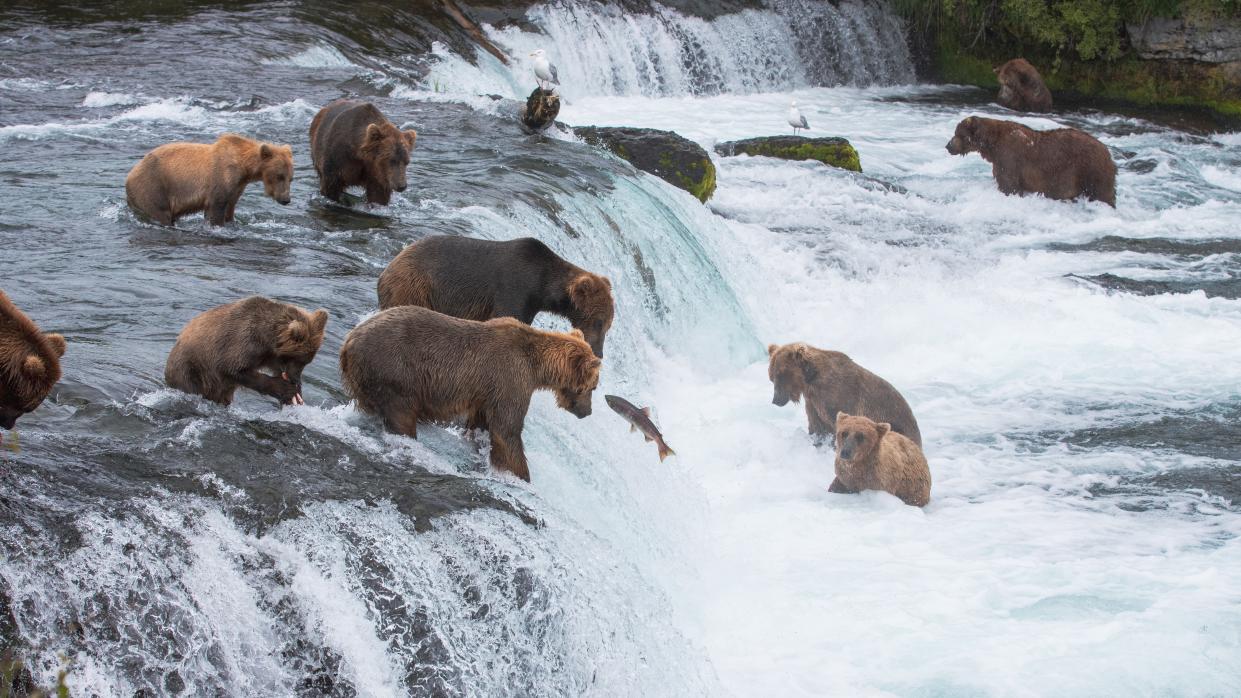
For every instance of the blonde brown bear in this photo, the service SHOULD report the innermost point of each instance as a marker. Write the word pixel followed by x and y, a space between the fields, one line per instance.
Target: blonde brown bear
pixel 870 456
pixel 181 178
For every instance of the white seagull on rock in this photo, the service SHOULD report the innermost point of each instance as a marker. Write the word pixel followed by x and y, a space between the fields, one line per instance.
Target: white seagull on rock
pixel 796 120
pixel 544 71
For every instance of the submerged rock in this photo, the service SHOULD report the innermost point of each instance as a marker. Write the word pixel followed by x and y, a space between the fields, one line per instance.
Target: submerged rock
pixel 836 152
pixel 667 155
pixel 540 109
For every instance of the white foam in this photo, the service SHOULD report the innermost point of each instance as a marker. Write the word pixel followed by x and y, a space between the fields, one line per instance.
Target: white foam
pixel 96 100
pixel 317 56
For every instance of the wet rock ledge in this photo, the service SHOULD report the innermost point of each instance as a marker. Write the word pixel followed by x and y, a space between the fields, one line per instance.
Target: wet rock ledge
pixel 836 152
pixel 667 155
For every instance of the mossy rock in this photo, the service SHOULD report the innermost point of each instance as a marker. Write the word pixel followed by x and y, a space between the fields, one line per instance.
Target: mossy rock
pixel 667 155
pixel 836 152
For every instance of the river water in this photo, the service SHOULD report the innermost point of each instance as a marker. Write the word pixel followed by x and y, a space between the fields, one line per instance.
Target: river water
pixel 1075 371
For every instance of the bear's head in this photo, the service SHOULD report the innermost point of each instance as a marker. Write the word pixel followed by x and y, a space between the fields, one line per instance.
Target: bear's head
pixel 591 295
pixel 29 363
pixel 276 170
pixel 970 137
pixel 386 150
pixel 857 437
pixel 580 369
pixel 298 339
pixel 790 369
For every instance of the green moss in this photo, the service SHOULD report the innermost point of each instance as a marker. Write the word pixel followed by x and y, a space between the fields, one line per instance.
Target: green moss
pixel 704 187
pixel 840 154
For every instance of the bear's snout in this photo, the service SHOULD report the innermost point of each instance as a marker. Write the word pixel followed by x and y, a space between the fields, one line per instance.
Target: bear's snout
pixel 779 400
pixel 846 453
pixel 8 421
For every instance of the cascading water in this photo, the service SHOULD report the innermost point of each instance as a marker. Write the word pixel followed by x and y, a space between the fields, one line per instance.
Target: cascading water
pixel 602 49
pixel 1083 530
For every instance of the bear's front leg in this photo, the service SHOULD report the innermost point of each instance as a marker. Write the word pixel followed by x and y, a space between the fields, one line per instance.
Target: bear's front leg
pixel 839 487
pixel 281 389
pixel 377 194
pixel 508 452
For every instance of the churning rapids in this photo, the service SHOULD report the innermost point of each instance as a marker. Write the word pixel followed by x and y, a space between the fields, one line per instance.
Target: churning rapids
pixel 1076 371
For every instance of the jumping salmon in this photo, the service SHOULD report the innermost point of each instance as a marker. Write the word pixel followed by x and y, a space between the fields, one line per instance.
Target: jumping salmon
pixel 640 420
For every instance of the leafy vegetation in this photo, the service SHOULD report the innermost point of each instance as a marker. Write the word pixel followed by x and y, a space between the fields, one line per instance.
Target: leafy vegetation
pixel 1058 29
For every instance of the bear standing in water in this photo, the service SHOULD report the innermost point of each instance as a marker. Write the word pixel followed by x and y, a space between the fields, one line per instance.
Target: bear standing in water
pixel 870 456
pixel 353 144
pixel 227 347
pixel 1063 163
pixel 831 382
pixel 1021 87
pixel 180 178
pixel 410 365
pixel 481 279
pixel 29 363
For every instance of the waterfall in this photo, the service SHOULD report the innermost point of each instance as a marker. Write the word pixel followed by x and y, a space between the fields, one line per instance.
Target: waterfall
pixel 602 49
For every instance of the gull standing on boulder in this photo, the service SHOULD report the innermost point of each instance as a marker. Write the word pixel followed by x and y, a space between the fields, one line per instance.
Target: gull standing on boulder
pixel 544 71
pixel 796 120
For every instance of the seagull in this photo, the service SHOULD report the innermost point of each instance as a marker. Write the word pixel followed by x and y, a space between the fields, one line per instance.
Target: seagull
pixel 796 120
pixel 544 71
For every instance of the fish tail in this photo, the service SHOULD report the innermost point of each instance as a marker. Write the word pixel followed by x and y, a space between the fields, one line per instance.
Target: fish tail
pixel 665 451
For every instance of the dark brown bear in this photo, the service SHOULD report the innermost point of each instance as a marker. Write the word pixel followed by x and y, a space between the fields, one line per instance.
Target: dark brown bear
pixel 1021 87
pixel 353 144
pixel 831 382
pixel 1060 164
pixel 410 365
pixel 481 279
pixel 180 178
pixel 870 456
pixel 231 346
pixel 29 363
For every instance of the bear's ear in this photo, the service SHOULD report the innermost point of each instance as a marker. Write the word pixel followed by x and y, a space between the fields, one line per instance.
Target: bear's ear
pixel 881 429
pixel 318 321
pixel 374 133
pixel 296 330
pixel 807 366
pixel 772 349
pixel 57 342
pixel 577 333
pixel 34 367
pixel 265 151
pixel 606 281
pixel 839 416
pixel 410 136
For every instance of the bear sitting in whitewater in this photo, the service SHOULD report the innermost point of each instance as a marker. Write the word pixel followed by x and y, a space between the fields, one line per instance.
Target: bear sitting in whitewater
pixel 481 279
pixel 830 382
pixel 1021 87
pixel 870 456
pixel 231 346
pixel 1063 163
pixel 409 364
pixel 29 363
pixel 180 178
pixel 353 143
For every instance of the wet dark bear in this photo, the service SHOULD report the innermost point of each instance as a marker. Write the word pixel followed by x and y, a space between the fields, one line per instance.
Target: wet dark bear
pixel 1021 87
pixel 482 279
pixel 29 363
pixel 231 345
pixel 409 365
pixel 353 144
pixel 1063 163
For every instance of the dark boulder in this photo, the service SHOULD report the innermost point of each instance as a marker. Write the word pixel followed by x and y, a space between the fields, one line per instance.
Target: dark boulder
pixel 671 157
pixel 836 152
pixel 540 109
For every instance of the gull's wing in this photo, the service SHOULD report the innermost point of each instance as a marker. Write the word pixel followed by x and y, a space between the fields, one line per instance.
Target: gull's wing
pixel 555 78
pixel 803 122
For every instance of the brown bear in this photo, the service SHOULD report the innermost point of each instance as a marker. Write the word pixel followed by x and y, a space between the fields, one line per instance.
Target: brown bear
pixel 409 364
pixel 230 345
pixel 481 279
pixel 831 382
pixel 1063 163
pixel 870 456
pixel 29 363
pixel 1021 87
pixel 353 143
pixel 180 178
